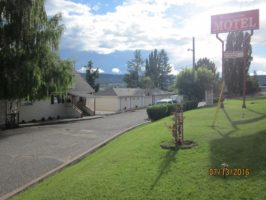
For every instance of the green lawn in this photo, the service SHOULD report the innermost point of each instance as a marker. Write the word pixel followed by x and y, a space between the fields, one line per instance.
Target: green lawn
pixel 134 166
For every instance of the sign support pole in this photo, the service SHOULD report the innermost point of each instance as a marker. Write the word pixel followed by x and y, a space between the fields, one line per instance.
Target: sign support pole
pixel 222 95
pixel 245 67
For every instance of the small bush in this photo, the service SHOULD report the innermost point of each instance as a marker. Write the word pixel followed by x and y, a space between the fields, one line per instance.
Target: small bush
pixel 160 111
pixel 190 105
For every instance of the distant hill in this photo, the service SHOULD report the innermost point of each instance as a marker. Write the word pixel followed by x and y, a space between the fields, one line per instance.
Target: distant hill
pixel 109 80
pixel 116 80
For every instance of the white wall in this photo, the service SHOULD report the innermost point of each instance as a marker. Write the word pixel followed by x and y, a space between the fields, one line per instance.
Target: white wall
pixel 147 101
pixel 104 103
pixel 125 103
pixel 44 109
pixel 136 102
pixel 2 112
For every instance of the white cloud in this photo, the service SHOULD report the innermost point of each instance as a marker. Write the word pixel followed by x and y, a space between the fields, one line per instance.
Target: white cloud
pixel 83 70
pixel 259 72
pixel 149 24
pixel 101 71
pixel 174 71
pixel 116 70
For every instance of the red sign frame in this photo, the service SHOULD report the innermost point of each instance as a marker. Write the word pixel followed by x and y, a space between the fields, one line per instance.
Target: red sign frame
pixel 238 21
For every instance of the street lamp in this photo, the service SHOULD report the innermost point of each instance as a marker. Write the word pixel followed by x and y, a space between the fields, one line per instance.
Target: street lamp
pixel 193 52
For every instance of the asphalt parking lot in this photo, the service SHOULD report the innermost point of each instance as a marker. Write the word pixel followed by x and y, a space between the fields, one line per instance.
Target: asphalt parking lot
pixel 30 152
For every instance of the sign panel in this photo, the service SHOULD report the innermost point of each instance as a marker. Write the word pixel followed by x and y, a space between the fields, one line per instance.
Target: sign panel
pixel 233 54
pixel 239 21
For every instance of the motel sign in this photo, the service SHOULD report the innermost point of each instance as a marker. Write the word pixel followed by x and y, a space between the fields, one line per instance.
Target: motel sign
pixel 238 21
pixel 230 22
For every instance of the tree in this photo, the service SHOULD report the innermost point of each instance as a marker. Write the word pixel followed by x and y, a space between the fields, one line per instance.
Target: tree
pixel 186 83
pixel 205 62
pixel 158 68
pixel 92 75
pixel 233 68
pixel 165 69
pixel 146 83
pixel 132 78
pixel 204 81
pixel 152 67
pixel 210 65
pixel 252 84
pixel 30 64
pixel 193 83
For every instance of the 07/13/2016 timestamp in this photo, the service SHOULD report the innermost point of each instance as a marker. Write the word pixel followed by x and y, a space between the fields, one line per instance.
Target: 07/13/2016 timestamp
pixel 229 171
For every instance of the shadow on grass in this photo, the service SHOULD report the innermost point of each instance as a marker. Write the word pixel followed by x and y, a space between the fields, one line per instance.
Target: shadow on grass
pixel 170 157
pixel 246 121
pixel 241 152
pixel 256 112
pixel 235 128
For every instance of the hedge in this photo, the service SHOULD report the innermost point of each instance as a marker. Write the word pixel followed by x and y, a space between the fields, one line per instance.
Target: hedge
pixel 160 111
pixel 190 105
pixel 156 112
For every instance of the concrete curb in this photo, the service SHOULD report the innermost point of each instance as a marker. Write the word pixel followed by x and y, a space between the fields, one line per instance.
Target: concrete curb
pixel 62 121
pixel 69 163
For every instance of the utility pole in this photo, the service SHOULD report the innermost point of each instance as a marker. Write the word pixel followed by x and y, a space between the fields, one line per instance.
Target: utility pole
pixel 193 44
pixel 193 52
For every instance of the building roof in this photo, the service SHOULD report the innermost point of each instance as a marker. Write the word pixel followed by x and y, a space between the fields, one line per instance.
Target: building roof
pixel 261 80
pixel 122 92
pixel 157 91
pixel 80 87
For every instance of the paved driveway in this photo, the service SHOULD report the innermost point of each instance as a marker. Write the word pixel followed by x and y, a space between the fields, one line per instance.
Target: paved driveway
pixel 28 153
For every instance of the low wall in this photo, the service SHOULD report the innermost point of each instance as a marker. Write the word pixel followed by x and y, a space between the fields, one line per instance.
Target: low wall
pixel 2 113
pixel 44 109
pixel 40 109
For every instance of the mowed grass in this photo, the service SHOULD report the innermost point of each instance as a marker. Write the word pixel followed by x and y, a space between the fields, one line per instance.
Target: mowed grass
pixel 134 166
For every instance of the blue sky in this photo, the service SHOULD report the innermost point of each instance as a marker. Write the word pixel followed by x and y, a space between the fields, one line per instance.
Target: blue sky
pixel 108 32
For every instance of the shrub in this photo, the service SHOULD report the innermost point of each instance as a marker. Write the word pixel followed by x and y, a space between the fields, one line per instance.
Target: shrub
pixel 190 105
pixel 160 111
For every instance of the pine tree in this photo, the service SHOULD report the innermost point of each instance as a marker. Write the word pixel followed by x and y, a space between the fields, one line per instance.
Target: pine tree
pixel 233 68
pixel 164 69
pixel 92 75
pixel 158 68
pixel 132 78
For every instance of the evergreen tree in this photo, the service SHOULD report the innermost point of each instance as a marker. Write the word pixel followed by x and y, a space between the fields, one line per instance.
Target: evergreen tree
pixel 233 68
pixel 132 78
pixel 158 68
pixel 92 75
pixel 30 64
